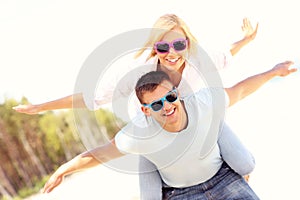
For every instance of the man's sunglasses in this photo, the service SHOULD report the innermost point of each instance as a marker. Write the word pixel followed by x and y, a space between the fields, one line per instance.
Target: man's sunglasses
pixel 157 105
pixel 164 47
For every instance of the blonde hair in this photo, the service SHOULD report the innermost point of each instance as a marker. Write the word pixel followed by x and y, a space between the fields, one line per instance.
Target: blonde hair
pixel 163 25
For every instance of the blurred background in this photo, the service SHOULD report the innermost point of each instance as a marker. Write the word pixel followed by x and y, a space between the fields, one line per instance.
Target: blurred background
pixel 43 45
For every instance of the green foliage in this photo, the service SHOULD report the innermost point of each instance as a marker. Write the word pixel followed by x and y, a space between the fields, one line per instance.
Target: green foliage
pixel 39 184
pixel 9 198
pixel 33 146
pixel 48 124
pixel 110 121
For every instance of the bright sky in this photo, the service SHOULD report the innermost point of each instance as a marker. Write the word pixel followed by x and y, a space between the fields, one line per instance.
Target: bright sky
pixel 43 45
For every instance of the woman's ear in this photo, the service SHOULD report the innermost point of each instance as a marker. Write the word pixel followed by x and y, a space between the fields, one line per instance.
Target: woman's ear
pixel 146 110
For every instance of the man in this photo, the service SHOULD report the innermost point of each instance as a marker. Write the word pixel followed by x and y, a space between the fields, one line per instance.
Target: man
pixel 178 139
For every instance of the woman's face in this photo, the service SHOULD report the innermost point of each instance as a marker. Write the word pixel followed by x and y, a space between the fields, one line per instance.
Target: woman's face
pixel 173 60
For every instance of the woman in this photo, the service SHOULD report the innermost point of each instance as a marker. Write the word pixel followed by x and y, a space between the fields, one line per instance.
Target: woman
pixel 173 47
pixel 167 22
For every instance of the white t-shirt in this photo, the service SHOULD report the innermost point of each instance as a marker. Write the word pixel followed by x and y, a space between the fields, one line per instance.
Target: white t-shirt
pixel 184 158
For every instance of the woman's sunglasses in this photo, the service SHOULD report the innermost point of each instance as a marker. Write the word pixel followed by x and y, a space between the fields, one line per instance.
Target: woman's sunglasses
pixel 157 105
pixel 164 47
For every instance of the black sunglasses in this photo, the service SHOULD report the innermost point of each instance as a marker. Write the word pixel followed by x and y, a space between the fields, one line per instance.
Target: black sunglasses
pixel 164 47
pixel 157 105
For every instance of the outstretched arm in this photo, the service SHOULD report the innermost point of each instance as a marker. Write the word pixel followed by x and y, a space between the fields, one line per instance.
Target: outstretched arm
pixel 83 161
pixel 250 35
pixel 251 84
pixel 223 59
pixel 67 102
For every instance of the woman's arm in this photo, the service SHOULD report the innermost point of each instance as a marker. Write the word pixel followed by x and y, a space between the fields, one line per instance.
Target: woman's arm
pixel 250 35
pixel 72 101
pixel 222 59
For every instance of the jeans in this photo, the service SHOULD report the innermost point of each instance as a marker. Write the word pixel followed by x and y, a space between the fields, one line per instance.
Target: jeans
pixel 225 185
pixel 234 153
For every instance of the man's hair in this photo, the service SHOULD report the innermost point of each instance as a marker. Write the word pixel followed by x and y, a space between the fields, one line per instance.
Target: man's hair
pixel 149 82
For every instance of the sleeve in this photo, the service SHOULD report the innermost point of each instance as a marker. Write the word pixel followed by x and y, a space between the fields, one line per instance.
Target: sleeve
pixel 215 96
pixel 118 80
pixel 123 142
pixel 221 58
pixel 116 84
pixel 89 100
pixel 227 100
pixel 126 140
pixel 102 95
pixel 103 91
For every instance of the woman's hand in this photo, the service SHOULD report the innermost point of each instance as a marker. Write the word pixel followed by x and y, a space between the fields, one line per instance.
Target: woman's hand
pixel 248 30
pixel 27 109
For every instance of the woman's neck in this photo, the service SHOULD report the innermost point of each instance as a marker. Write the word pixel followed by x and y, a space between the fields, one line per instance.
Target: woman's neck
pixel 175 76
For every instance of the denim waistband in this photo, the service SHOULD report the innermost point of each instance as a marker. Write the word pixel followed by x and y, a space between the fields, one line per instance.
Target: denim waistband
pixel 224 168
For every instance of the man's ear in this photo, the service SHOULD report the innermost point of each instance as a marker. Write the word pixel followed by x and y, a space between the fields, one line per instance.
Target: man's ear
pixel 146 110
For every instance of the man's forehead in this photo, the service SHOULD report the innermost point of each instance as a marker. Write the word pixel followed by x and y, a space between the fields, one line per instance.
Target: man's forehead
pixel 159 91
pixel 162 89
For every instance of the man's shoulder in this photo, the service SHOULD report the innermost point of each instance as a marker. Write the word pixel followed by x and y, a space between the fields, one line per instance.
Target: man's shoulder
pixel 139 126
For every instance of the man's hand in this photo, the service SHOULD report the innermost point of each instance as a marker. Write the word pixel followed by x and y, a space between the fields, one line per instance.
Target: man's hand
pixel 55 180
pixel 251 84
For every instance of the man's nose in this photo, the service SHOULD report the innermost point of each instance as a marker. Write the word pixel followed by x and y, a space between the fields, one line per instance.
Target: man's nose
pixel 167 105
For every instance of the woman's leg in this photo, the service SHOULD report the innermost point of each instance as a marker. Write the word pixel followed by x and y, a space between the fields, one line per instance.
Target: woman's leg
pixel 149 180
pixel 234 153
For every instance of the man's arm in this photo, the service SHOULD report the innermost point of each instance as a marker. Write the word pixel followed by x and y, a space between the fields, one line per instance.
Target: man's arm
pixel 251 84
pixel 83 161
pixel 72 101
pixel 250 35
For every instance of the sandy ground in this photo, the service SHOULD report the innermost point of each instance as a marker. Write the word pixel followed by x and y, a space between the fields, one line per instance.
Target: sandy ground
pixel 96 183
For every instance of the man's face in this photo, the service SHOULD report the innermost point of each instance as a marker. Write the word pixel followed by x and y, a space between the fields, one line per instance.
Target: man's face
pixel 170 116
